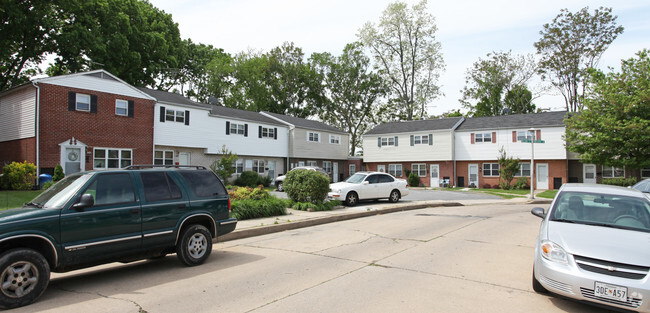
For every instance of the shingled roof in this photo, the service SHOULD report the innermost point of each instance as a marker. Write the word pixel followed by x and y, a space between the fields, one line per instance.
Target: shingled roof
pixel 172 98
pixel 545 119
pixel 304 123
pixel 415 126
pixel 243 115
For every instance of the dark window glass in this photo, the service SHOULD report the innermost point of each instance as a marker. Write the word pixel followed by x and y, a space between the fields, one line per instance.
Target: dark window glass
pixel 159 186
pixel 112 189
pixel 204 183
pixel 385 179
pixel 373 179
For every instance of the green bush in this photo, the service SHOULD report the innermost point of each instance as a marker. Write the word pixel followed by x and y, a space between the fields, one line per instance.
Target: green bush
pixel 326 206
pixel 47 185
pixel 264 180
pixel 306 186
pixel 19 176
pixel 621 181
pixel 247 179
pixel 58 173
pixel 249 209
pixel 521 183
pixel 248 193
pixel 413 179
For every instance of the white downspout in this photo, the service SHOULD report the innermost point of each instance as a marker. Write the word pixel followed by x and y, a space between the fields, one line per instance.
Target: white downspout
pixel 38 117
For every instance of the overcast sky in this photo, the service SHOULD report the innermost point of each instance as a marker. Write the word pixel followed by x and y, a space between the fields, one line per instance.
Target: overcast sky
pixel 467 29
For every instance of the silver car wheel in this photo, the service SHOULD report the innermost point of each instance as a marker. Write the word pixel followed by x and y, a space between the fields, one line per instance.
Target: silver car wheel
pixel 197 245
pixel 19 279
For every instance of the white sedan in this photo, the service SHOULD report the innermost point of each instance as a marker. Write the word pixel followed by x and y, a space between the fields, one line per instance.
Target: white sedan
pixel 368 185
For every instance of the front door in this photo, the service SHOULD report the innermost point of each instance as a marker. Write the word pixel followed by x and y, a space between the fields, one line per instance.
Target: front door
pixel 541 175
pixel 381 168
pixel 435 175
pixel 589 173
pixel 184 158
pixel 335 172
pixel 73 158
pixel 272 170
pixel 473 176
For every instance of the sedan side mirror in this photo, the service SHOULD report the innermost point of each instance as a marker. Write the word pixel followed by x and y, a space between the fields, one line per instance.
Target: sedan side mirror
pixel 539 212
pixel 86 201
pixel 365 182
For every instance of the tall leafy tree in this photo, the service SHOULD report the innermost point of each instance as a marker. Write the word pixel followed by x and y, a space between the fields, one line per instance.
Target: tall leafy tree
pixel 498 82
pixel 129 38
pixel 28 29
pixel 351 92
pixel 406 52
pixel 612 129
pixel 571 44
pixel 249 89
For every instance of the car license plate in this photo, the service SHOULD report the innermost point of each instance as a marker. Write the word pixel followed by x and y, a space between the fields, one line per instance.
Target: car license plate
pixel 608 291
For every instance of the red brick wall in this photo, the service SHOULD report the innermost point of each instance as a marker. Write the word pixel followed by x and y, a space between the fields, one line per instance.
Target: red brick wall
pixel 101 129
pixel 18 150
pixel 556 168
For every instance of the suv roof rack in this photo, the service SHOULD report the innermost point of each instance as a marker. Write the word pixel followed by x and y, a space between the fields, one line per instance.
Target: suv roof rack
pixel 141 166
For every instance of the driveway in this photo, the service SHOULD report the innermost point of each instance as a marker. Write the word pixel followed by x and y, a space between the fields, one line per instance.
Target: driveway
pixel 422 195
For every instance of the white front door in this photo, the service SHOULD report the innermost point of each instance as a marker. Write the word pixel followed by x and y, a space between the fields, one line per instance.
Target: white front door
pixel 435 175
pixel 335 172
pixel 183 158
pixel 541 174
pixel 272 171
pixel 473 175
pixel 381 168
pixel 589 173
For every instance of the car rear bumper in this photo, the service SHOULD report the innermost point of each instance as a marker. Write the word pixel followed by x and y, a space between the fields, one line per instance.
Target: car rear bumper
pixel 226 226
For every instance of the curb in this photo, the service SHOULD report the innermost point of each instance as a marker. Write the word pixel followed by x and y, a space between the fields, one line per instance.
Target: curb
pixel 263 230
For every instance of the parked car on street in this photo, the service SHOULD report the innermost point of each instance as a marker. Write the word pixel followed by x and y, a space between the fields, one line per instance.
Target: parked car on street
pixel 97 217
pixel 279 182
pixel 643 185
pixel 594 246
pixel 369 185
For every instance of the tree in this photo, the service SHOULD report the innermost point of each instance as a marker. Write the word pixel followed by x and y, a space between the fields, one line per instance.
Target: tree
pixel 224 166
pixel 408 56
pixel 130 38
pixel 612 129
pixel 350 90
pixel 28 29
pixel 570 45
pixel 508 167
pixel 499 82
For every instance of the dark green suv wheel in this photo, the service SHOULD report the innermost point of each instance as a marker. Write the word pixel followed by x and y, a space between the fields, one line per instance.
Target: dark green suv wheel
pixel 195 245
pixel 24 276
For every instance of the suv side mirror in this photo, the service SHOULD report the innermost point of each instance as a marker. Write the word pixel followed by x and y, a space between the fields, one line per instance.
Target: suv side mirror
pixel 86 201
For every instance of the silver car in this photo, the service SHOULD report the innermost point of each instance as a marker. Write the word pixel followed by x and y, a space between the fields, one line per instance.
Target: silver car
pixel 594 246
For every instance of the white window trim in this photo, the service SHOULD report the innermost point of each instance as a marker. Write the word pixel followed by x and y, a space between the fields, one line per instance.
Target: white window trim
pixel 263 164
pixel 521 171
pixel 336 138
pixel 175 116
pixel 270 132
pixel 491 169
pixel 421 139
pixel 352 168
pixel 394 172
pixel 76 105
pixel 390 141
pixel 164 158
pixel 310 135
pixel 528 135
pixel 328 169
pixel 126 107
pixel 613 171
pixel 237 164
pixel 420 166
pixel 106 159
pixel 483 136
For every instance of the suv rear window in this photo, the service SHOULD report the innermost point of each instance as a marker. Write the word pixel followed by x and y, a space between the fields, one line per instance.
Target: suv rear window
pixel 204 183
pixel 159 186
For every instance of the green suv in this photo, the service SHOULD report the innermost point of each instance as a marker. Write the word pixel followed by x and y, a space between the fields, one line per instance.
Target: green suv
pixel 97 217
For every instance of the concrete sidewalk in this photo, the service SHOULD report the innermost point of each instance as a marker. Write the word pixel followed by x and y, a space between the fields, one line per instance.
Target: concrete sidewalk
pixel 299 219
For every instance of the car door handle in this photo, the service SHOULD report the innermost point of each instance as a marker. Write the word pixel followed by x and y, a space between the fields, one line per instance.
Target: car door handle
pixel 135 211
pixel 181 206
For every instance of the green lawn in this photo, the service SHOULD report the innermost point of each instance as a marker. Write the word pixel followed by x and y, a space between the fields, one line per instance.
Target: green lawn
pixel 550 194
pixel 14 199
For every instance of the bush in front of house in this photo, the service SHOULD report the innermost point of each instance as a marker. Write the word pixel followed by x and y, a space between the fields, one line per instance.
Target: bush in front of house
pixel 521 183
pixel 19 176
pixel 306 186
pixel 306 206
pixel 58 173
pixel 247 179
pixel 620 181
pixel 413 179
pixel 250 208
pixel 248 193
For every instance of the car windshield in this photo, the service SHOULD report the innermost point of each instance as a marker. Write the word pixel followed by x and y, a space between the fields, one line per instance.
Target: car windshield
pixel 356 178
pixel 602 210
pixel 56 196
pixel 643 185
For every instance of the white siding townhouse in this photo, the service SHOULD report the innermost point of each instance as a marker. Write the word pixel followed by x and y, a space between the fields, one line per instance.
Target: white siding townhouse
pixel 187 132
pixel 315 143
pixel 425 147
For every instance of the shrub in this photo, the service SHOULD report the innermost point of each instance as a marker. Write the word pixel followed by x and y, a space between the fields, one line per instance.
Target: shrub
pixel 248 209
pixel 19 176
pixel 620 181
pixel 58 173
pixel 413 179
pixel 264 180
pixel 306 186
pixel 326 206
pixel 47 185
pixel 521 183
pixel 248 193
pixel 247 178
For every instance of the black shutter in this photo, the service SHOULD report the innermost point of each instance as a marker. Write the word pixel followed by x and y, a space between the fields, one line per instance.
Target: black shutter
pixel 260 132
pixel 187 117
pixel 431 139
pixel 227 128
pixel 412 140
pixel 395 141
pixel 131 107
pixel 72 100
pixel 245 130
pixel 162 114
pixel 379 142
pixel 93 103
pixel 275 133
